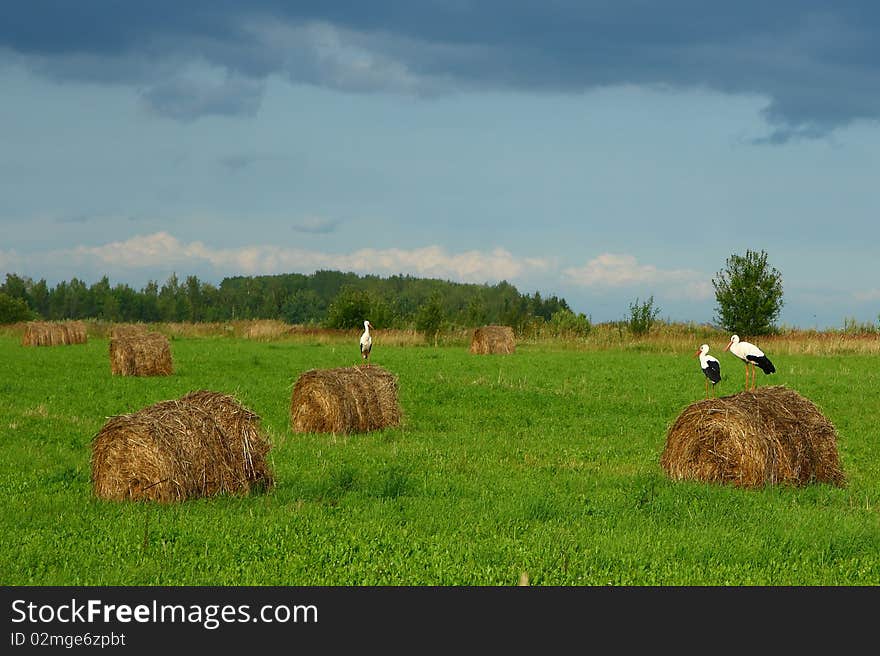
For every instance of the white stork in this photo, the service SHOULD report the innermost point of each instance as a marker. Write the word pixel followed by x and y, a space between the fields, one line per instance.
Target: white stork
pixel 710 366
pixel 366 341
pixel 752 356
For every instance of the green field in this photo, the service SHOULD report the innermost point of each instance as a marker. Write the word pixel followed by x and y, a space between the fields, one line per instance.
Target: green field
pixel 545 461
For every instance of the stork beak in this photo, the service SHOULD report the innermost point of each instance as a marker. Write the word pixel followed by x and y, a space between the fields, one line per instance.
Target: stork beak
pixel 728 345
pixel 697 353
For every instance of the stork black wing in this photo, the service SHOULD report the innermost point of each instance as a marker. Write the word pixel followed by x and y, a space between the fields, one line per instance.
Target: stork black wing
pixel 762 362
pixel 713 371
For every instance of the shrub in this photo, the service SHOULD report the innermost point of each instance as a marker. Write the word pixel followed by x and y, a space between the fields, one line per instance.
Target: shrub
pixel 429 317
pixel 13 310
pixel 564 322
pixel 352 307
pixel 642 316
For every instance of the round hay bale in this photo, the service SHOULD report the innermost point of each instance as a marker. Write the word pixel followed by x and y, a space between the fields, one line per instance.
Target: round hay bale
pixel 200 445
pixel 493 339
pixel 344 400
pixel 767 436
pixel 236 420
pixel 54 333
pixel 140 354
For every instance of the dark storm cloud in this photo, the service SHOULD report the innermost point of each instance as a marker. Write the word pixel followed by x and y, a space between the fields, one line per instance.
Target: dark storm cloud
pixel 316 225
pixel 815 62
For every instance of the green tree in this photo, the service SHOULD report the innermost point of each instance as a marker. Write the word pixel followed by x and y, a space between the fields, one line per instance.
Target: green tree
pixel 15 287
pixel 13 310
pixel 171 301
pixel 350 309
pixel 476 311
pixel 642 316
pixel 302 306
pixel 150 303
pixel 39 293
pixel 565 323
pixel 748 293
pixel 429 317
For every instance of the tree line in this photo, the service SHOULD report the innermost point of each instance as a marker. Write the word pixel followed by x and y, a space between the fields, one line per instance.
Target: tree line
pixel 325 298
pixel 748 295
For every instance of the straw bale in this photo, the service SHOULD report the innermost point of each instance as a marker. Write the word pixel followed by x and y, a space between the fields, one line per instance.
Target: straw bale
pixel 140 354
pixel 345 400
pixel 766 436
pixel 234 419
pixel 493 339
pixel 54 333
pixel 203 444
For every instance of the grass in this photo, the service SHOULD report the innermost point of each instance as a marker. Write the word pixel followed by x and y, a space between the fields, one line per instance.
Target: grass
pixel 545 462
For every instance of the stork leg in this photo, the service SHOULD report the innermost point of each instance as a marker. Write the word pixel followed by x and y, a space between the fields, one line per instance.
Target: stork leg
pixel 747 376
pixel 707 387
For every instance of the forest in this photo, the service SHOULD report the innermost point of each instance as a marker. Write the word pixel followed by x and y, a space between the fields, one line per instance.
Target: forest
pixel 330 299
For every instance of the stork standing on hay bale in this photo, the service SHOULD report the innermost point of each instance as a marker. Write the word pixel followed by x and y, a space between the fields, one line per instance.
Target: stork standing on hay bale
pixel 752 356
pixel 710 366
pixel 366 341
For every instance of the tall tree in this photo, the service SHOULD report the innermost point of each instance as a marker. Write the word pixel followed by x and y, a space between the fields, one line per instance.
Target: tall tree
pixel 429 317
pixel 748 292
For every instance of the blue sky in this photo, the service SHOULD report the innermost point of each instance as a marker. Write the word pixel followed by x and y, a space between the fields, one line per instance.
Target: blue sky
pixel 601 151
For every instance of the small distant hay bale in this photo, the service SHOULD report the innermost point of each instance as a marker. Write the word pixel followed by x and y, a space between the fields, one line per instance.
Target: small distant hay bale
pixel 54 333
pixel 203 444
pixel 140 354
pixel 493 339
pixel 767 436
pixel 344 400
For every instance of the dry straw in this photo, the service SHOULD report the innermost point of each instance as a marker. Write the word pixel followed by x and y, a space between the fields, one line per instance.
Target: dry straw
pixel 203 444
pixel 265 329
pixel 767 436
pixel 344 400
pixel 122 330
pixel 135 352
pixel 493 339
pixel 54 333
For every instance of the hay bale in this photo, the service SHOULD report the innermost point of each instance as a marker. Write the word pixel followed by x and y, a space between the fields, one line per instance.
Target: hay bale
pixel 493 339
pixel 203 444
pixel 54 333
pixel 767 436
pixel 344 400
pixel 234 419
pixel 140 354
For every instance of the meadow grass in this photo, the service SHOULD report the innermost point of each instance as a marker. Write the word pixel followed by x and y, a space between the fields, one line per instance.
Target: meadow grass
pixel 545 461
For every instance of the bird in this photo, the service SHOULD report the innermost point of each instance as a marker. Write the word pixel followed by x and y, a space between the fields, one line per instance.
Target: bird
pixel 366 341
pixel 752 356
pixel 710 366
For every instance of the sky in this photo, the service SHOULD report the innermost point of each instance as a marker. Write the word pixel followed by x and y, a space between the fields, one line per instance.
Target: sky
pixel 605 152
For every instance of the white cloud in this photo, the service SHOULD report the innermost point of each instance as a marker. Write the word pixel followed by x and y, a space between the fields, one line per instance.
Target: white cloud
pixel 164 250
pixel 621 270
pixel 867 295
pixel 9 261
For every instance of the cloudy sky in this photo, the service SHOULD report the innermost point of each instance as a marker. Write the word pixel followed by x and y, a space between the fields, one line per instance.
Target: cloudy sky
pixel 601 151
